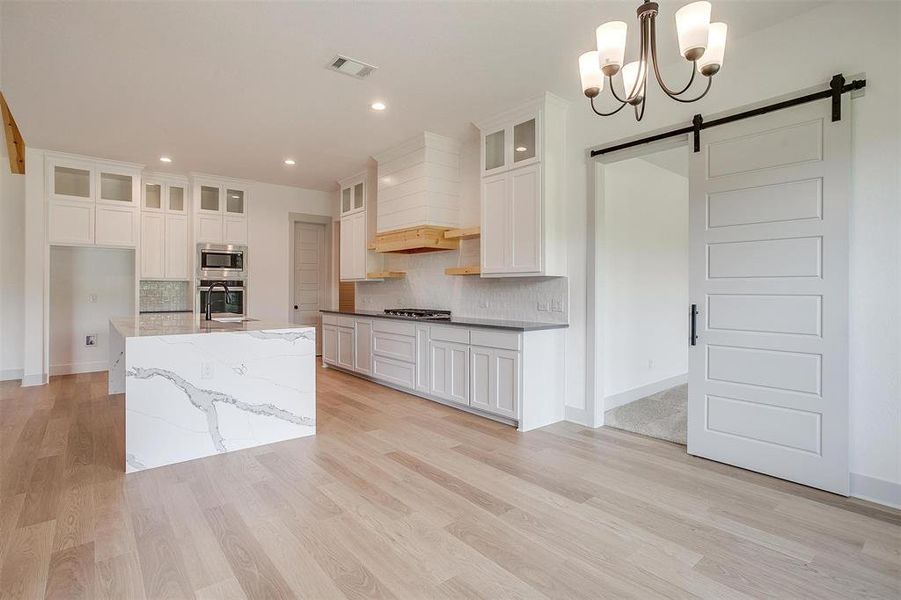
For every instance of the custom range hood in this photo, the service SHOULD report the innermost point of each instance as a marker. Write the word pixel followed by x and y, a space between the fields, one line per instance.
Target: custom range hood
pixel 418 195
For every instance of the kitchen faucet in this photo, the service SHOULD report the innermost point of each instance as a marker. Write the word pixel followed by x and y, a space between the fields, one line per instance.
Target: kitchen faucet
pixel 209 297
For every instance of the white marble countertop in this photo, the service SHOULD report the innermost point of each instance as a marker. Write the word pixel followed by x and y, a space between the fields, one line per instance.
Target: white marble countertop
pixel 156 324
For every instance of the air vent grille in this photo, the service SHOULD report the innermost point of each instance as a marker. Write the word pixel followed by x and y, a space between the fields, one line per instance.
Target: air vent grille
pixel 352 67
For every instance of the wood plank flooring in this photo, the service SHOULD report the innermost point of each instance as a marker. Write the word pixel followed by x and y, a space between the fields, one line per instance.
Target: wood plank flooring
pixel 398 497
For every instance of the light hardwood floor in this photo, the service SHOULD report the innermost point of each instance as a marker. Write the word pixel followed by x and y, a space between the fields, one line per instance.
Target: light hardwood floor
pixel 398 497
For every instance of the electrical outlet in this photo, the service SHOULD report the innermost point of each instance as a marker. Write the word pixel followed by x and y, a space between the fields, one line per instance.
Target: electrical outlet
pixel 542 305
pixel 92 298
pixel 483 304
pixel 90 339
pixel 556 305
pixel 206 370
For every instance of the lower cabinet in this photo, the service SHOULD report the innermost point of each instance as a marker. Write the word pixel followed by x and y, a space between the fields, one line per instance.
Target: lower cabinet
pixel 494 374
pixel 363 347
pixel 449 371
pixel 330 344
pixel 397 372
pixel 422 358
pixel 345 358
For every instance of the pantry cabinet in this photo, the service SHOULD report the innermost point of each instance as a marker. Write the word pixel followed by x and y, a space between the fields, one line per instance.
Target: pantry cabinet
pixel 92 202
pixel 165 234
pixel 358 227
pixel 220 206
pixel 522 191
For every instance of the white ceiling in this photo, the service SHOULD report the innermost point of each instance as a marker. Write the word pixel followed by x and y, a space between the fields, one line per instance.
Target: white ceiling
pixel 236 88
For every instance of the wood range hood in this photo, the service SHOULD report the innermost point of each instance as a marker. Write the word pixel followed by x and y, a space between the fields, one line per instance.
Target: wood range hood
pixel 414 240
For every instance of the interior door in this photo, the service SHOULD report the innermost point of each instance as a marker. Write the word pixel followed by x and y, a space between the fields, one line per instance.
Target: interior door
pixel 768 376
pixel 309 270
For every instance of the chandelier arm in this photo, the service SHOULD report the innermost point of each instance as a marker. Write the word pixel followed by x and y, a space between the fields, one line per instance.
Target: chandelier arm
pixel 672 94
pixel 613 90
pixel 603 114
pixel 704 93
pixel 639 114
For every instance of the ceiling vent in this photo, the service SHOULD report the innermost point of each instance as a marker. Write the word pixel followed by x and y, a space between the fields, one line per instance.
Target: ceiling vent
pixel 352 67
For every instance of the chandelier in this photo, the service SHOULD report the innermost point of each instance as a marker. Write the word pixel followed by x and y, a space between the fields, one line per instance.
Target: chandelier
pixel 700 42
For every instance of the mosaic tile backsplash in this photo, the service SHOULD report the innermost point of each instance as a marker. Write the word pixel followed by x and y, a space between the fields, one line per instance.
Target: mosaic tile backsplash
pixel 544 299
pixel 165 296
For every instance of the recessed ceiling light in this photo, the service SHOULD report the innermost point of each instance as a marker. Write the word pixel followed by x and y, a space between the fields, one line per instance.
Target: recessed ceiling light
pixel 290 161
pixel 521 148
pixel 378 106
pixel 165 159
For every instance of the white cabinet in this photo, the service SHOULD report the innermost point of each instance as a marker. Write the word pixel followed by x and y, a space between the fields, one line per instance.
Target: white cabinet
pixel 363 346
pixel 354 247
pixel 495 374
pixel 221 207
pixel 92 202
pixel 422 358
pixel 449 371
pixel 345 358
pixel 353 194
pixel 523 204
pixel 165 235
pixel 329 344
pixel 358 220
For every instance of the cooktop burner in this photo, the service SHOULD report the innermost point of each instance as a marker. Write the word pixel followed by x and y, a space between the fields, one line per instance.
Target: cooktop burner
pixel 420 313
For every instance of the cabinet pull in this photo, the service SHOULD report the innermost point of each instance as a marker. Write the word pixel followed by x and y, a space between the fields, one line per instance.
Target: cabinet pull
pixel 693 325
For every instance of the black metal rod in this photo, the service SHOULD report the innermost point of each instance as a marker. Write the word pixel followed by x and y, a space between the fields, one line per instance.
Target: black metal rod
pixel 693 319
pixel 857 84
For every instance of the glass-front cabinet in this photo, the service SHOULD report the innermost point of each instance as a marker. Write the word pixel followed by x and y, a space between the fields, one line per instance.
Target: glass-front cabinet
pixel 116 188
pixel 234 201
pixel 511 143
pixel 70 182
pixel 352 195
pixel 176 199
pixel 209 198
pixel 153 196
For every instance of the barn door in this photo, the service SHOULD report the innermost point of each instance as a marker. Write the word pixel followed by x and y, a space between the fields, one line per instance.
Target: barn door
pixel 768 374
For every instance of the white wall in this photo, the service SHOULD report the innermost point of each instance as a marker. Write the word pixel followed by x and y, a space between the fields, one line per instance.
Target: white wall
pixel 270 244
pixel 88 286
pixel 850 37
pixel 646 276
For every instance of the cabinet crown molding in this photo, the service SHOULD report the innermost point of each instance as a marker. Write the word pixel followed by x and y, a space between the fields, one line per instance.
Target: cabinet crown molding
pixel 526 107
pixel 53 154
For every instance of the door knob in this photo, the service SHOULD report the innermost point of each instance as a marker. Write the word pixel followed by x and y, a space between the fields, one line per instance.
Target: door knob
pixel 295 307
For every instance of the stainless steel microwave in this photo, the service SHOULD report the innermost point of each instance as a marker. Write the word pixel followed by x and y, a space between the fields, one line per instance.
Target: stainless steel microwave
pixel 221 261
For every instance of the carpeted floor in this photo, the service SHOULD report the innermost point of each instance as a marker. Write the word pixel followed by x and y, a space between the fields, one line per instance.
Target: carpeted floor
pixel 663 415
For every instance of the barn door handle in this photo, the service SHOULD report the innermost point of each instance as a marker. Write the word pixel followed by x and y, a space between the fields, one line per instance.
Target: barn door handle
pixel 693 325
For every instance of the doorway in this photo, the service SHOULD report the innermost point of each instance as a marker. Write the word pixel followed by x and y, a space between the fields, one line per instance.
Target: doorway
pixel 645 354
pixel 310 276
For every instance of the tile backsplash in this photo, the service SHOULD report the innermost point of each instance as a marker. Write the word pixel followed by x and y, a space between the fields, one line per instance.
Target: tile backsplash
pixel 426 286
pixel 165 296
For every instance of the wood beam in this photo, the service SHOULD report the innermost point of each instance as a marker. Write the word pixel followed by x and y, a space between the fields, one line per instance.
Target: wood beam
pixel 15 145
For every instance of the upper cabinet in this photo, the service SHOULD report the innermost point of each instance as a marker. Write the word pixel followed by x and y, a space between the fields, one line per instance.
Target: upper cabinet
pixel 522 204
pixel 92 202
pixel 353 194
pixel 164 228
pixel 221 206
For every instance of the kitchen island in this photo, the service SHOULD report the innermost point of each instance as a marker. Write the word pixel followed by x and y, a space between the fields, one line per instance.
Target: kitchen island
pixel 194 388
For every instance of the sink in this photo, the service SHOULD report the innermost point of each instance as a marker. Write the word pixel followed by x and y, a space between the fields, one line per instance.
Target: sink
pixel 233 319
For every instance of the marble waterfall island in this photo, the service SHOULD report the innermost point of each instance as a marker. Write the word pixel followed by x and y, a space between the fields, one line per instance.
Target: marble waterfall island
pixel 195 388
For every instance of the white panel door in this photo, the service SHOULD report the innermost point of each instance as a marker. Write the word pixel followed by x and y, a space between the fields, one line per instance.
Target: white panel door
pixel 234 230
pixel 153 244
pixel 494 380
pixel 309 274
pixel 209 228
pixel 329 344
pixel 358 251
pixel 345 254
pixel 114 226
pixel 363 347
pixel 346 347
pixel 176 253
pixel 524 220
pixel 768 376
pixel 71 222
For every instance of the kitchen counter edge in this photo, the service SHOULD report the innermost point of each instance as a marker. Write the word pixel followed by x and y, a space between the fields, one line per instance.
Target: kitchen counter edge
pixel 457 321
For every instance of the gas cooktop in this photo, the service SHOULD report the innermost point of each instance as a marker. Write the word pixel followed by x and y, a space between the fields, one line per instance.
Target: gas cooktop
pixel 425 314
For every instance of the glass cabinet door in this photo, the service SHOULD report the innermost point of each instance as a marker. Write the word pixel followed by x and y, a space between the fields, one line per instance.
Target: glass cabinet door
pixel 153 196
pixel 494 150
pixel 71 182
pixel 358 196
pixel 525 141
pixel 176 198
pixel 234 202
pixel 209 198
pixel 115 187
pixel 345 200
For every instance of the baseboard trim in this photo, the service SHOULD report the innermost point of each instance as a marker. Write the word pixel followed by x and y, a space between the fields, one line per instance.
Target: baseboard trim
pixel 876 490
pixel 10 374
pixel 37 379
pixel 580 416
pixel 84 367
pixel 637 393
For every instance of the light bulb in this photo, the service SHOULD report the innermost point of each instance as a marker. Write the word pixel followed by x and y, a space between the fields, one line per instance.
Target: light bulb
pixel 611 38
pixel 692 25
pixel 712 61
pixel 634 88
pixel 590 72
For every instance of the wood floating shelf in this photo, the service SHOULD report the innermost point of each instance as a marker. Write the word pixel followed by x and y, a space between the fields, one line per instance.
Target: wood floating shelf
pixel 414 240
pixel 473 270
pixel 386 275
pixel 466 233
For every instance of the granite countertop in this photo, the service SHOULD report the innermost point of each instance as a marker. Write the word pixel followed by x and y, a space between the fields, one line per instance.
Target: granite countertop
pixel 156 324
pixel 458 321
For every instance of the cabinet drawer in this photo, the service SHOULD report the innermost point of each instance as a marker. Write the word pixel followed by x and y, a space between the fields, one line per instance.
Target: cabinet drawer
pixel 394 371
pixel 459 335
pixel 497 339
pixel 397 327
pixel 337 320
pixel 391 345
